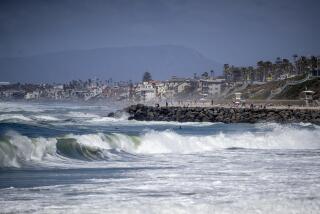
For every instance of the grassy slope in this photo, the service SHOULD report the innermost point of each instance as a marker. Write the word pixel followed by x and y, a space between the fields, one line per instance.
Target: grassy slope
pixel 261 92
pixel 294 92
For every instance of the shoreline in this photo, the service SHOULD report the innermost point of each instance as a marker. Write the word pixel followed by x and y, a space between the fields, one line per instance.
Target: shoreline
pixel 223 114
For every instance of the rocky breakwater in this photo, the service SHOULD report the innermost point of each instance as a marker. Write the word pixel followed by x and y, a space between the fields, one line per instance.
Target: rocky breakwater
pixel 221 114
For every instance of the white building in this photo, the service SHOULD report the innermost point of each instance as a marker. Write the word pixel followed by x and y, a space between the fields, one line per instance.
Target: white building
pixel 211 87
pixel 177 85
pixel 92 92
pixel 161 90
pixel 182 87
pixel 145 91
pixel 58 87
pixel 32 95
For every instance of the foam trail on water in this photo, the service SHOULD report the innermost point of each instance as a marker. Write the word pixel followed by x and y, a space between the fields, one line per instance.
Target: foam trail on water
pixel 16 106
pixel 46 118
pixel 123 121
pixel 75 114
pixel 14 117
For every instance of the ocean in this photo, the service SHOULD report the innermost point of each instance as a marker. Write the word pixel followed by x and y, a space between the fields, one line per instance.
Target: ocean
pixel 72 158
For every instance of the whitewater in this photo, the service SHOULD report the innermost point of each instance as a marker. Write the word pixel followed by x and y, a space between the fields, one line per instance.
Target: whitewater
pixel 72 158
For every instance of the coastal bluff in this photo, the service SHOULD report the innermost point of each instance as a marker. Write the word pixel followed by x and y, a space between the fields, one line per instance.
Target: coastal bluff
pixel 221 114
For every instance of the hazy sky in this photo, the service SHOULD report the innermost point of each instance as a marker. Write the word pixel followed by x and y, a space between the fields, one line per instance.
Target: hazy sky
pixel 229 31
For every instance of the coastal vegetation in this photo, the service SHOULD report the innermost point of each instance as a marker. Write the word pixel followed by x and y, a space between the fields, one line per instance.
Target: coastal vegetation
pixel 266 71
pixel 146 77
pixel 294 92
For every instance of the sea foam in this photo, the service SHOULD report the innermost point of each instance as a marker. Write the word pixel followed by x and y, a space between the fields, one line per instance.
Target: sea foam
pixel 17 150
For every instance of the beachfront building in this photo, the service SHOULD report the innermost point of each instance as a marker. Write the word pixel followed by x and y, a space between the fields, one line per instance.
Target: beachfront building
pixel 118 92
pixel 176 86
pixel 172 86
pixel 182 87
pixel 211 87
pixel 12 94
pixel 161 90
pixel 145 91
pixel 92 93
pixel 34 95
pixel 315 73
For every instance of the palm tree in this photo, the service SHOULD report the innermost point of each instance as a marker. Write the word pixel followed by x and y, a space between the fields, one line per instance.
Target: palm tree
pixel 251 73
pixel 295 56
pixel 313 62
pixel 194 75
pixel 146 77
pixel 212 73
pixel 205 75
pixel 278 68
pixel 285 65
pixel 243 71
pixel 226 72
pixel 303 63
pixel 274 71
pixel 260 69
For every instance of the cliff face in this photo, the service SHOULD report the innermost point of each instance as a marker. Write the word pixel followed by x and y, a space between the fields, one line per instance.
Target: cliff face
pixel 218 114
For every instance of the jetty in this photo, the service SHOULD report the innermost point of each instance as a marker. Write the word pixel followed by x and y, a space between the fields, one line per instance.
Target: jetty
pixel 142 112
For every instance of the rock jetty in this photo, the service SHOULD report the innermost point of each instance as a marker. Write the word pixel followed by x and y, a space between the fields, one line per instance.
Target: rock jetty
pixel 222 114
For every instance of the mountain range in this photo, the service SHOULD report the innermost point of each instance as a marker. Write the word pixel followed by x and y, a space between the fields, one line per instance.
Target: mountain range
pixel 118 63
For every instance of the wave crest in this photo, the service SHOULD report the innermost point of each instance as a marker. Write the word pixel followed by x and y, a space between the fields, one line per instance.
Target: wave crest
pixel 17 150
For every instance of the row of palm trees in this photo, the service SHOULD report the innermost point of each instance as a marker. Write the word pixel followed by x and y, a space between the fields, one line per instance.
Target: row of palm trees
pixel 270 71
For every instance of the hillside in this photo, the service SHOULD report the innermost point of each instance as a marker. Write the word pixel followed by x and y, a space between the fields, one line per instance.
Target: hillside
pixel 288 92
pixel 121 63
pixel 294 92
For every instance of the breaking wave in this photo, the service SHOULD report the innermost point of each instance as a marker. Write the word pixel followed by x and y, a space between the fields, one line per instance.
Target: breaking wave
pixel 17 150
pixel 14 117
pixel 75 114
pixel 45 118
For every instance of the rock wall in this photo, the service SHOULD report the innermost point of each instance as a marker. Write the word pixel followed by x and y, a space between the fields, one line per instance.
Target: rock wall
pixel 220 114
